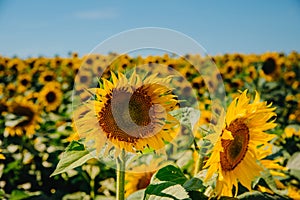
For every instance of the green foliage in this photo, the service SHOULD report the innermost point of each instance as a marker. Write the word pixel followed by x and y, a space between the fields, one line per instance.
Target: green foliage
pixel 74 156
pixel 171 183
pixel 260 196
pixel 187 116
pixel 46 165
pixel 293 165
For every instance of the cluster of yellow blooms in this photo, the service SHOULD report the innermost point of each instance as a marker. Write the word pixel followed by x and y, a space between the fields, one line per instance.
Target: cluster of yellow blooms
pixel 32 88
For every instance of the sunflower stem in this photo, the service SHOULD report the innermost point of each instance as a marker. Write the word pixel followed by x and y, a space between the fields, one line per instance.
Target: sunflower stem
pixel 121 161
pixel 92 184
pixel 200 159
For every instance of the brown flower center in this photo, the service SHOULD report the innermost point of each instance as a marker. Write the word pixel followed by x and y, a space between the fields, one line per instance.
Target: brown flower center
pixel 50 97
pixel 235 150
pixel 229 69
pixel 48 78
pixel 24 82
pixel 269 66
pixel 127 116
pixel 23 111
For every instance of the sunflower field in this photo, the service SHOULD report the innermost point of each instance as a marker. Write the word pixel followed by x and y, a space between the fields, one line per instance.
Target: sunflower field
pixel 249 150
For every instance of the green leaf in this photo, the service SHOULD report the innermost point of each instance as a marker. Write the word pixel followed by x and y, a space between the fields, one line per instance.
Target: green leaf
pixel 260 196
pixel 294 165
pixel 138 195
pixel 170 173
pixel 2 192
pixel 18 195
pixel 167 190
pixel 193 184
pixel 75 146
pixel 294 161
pixel 12 166
pixel 295 173
pixel 187 116
pixel 197 195
pixel 74 156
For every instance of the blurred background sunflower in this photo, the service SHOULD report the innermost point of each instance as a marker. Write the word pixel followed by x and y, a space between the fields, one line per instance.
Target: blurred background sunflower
pixel 50 97
pixel 23 117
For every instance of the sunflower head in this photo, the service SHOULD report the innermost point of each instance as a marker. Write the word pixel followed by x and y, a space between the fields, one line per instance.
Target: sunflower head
pixel 50 97
pixel 140 175
pixel 271 66
pixel 238 144
pixel 128 112
pixel 24 82
pixel 26 117
pixel 47 76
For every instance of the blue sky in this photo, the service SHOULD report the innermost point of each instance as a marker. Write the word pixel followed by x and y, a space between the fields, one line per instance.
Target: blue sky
pixel 33 27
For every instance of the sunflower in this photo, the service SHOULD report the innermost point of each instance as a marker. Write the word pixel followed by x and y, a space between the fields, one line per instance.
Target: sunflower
pixel 205 117
pixel 198 83
pixel 56 62
pixel 290 132
pixel 234 84
pixel 83 79
pixel 130 113
pixel 252 74
pixel 26 117
pixel 47 76
pixel 229 70
pixel 16 65
pixel 289 77
pixel 40 64
pixel 51 96
pixel 140 176
pixel 295 115
pixel 236 141
pixel 10 90
pixel 271 66
pixel 24 82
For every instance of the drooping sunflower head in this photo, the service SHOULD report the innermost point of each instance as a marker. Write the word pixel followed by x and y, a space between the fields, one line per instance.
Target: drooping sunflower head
pixel 130 113
pixel 25 117
pixel 237 144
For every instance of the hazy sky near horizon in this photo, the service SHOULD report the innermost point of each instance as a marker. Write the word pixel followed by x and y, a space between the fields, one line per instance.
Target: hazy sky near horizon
pixel 48 28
